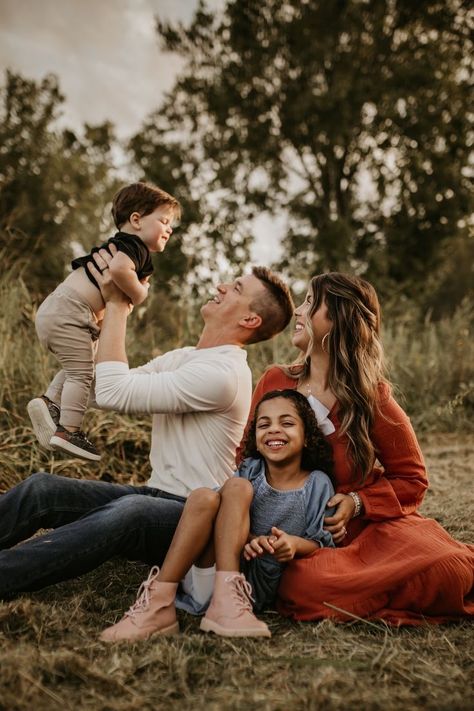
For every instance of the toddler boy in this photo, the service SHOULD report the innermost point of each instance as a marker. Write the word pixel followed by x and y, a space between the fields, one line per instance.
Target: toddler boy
pixel 68 320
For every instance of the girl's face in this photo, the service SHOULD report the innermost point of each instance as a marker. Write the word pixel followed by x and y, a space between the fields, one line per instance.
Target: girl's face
pixel 320 323
pixel 279 432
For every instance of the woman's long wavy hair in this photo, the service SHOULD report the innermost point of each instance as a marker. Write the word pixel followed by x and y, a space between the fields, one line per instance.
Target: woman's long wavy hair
pixel 317 453
pixel 356 358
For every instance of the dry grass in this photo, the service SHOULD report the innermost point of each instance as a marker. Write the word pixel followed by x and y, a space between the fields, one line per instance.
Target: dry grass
pixel 50 657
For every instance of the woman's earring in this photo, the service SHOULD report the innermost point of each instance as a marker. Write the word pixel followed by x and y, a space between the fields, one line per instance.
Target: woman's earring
pixel 324 342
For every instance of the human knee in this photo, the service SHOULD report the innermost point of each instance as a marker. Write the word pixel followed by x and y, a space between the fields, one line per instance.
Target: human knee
pixel 204 499
pixel 137 511
pixel 82 376
pixel 237 487
pixel 40 482
pixel 130 509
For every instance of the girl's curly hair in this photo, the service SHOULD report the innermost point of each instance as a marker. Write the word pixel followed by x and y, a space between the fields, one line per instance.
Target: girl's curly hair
pixel 317 453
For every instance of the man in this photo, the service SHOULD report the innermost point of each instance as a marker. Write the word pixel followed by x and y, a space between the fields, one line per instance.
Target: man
pixel 199 398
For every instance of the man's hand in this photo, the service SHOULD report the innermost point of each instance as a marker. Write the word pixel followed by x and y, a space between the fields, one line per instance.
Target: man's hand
pixel 336 524
pixel 100 271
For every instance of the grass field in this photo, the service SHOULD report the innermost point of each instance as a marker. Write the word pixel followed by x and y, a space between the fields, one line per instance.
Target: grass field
pixel 50 657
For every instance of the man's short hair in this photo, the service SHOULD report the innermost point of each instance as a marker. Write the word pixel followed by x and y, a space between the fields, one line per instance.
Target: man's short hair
pixel 143 198
pixel 275 305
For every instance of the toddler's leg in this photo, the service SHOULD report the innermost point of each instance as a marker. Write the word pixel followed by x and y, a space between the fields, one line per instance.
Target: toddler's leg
pixel 76 354
pixel 68 328
pixel 77 359
pixel 45 411
pixel 55 388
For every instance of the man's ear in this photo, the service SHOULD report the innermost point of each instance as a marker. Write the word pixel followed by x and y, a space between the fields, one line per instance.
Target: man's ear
pixel 252 321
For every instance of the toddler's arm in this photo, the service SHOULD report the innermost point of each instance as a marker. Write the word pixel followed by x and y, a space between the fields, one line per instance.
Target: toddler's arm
pixel 122 271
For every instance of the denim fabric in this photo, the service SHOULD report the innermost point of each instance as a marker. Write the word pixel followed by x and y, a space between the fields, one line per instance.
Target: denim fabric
pixel 92 522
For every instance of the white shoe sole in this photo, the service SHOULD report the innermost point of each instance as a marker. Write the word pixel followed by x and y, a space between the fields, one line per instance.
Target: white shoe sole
pixel 65 446
pixel 211 626
pixel 43 424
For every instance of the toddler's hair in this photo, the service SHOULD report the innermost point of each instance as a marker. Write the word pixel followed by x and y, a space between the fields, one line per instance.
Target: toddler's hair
pixel 317 453
pixel 143 198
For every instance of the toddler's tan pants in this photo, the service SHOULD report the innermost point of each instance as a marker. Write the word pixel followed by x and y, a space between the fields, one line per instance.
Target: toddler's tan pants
pixel 68 328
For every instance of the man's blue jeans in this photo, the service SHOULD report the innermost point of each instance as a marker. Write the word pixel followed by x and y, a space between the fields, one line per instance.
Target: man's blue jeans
pixel 92 521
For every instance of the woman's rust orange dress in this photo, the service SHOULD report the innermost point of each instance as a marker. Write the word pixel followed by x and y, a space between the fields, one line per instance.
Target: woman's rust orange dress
pixel 395 564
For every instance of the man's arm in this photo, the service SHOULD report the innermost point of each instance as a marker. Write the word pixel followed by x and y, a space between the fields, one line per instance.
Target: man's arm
pixel 117 307
pixel 200 386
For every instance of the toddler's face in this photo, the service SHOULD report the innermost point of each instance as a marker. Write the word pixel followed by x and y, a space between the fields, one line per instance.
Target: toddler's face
pixel 156 228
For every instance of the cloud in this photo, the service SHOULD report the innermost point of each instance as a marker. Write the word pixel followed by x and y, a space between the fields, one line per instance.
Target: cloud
pixel 106 54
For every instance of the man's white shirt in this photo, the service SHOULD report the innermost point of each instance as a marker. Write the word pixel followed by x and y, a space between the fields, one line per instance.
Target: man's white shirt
pixel 199 399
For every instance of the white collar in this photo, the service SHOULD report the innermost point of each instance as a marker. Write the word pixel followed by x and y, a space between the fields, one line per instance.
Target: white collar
pixel 321 412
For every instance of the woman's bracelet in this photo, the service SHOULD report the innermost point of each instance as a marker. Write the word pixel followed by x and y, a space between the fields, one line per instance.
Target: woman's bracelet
pixel 357 503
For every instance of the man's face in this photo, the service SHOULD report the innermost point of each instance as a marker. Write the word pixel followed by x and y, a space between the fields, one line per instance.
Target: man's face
pixel 232 301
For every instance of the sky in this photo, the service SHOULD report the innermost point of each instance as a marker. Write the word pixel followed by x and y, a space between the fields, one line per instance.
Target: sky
pixel 110 67
pixel 105 52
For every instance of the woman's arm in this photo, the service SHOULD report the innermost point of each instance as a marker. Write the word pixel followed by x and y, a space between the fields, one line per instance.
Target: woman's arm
pixel 400 487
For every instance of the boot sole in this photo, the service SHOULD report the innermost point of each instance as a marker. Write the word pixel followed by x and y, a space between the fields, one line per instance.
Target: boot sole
pixel 210 626
pixel 44 426
pixel 65 446
pixel 166 632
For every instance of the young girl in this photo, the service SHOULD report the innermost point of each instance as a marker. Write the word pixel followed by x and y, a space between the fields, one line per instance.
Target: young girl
pixel 271 511
pixel 68 320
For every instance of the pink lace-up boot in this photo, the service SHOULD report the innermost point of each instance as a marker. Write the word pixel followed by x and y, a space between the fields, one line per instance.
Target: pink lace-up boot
pixel 153 612
pixel 230 611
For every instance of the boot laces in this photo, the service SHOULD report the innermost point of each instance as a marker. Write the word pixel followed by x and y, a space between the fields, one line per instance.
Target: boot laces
pixel 241 591
pixel 143 597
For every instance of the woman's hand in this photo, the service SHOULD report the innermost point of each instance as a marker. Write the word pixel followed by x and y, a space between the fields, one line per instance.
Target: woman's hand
pixel 258 546
pixel 336 524
pixel 100 271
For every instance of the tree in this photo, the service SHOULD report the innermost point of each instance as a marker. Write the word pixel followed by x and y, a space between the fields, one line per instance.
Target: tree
pixel 54 185
pixel 349 116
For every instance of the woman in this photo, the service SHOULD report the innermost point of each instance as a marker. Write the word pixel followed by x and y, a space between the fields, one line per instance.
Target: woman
pixel 391 563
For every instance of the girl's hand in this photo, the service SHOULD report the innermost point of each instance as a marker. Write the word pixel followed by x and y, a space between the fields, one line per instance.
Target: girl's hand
pixel 337 523
pixel 257 547
pixel 283 544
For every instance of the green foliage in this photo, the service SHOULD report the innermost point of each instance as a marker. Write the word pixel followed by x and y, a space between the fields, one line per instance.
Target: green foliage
pixel 53 185
pixel 432 366
pixel 349 117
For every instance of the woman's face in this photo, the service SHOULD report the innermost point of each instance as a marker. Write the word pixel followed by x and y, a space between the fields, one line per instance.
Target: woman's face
pixel 320 323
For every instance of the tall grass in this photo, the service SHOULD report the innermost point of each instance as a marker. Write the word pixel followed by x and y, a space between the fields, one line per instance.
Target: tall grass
pixel 431 365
